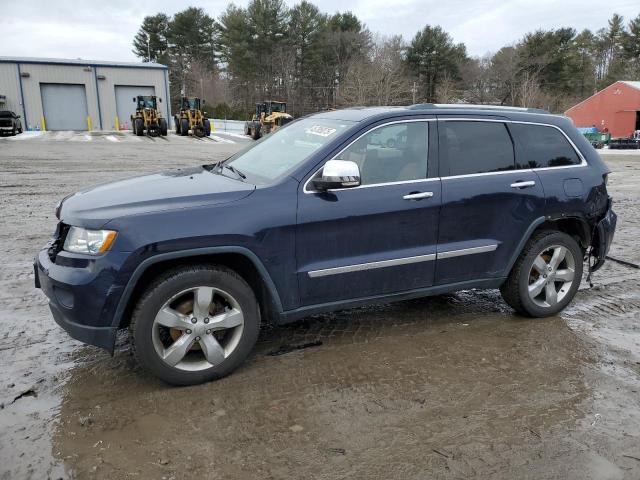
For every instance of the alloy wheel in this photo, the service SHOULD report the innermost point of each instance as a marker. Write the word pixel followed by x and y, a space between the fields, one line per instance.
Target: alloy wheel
pixel 198 328
pixel 551 276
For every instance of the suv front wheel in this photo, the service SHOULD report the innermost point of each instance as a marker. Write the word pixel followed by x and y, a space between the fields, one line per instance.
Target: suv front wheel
pixel 195 324
pixel 546 275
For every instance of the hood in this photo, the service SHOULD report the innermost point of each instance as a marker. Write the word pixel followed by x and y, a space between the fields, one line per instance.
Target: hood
pixel 171 190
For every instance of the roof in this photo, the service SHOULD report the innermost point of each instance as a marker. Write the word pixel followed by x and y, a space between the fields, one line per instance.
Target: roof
pixel 80 61
pixel 629 83
pixel 358 114
pixel 633 84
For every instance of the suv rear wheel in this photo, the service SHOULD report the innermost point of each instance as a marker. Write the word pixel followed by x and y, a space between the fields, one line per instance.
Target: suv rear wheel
pixel 546 275
pixel 195 324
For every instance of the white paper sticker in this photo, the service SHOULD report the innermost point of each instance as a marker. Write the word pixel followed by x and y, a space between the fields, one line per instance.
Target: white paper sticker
pixel 321 131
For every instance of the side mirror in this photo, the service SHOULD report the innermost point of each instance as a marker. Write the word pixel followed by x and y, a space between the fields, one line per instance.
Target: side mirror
pixel 338 174
pixel 160 100
pixel 134 99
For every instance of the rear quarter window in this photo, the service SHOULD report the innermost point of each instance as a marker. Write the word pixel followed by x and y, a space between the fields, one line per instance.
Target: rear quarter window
pixel 469 147
pixel 540 146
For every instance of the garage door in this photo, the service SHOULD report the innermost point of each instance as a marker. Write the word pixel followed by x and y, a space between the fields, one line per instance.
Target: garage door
pixel 124 101
pixel 64 105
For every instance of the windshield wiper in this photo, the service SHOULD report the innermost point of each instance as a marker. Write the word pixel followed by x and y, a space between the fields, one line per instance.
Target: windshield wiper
pixel 222 165
pixel 236 171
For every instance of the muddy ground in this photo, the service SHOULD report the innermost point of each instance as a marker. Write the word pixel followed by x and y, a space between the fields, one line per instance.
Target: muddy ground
pixel 455 386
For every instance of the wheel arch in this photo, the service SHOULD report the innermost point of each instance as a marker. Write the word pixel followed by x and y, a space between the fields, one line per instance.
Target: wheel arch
pixel 574 225
pixel 239 259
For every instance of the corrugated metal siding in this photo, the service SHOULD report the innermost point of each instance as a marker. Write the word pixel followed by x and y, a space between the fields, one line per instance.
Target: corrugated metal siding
pixel 9 87
pixel 130 77
pixel 102 110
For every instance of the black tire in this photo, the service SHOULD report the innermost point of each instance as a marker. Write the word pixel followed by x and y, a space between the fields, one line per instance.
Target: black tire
pixel 176 122
pixel 163 127
pixel 139 127
pixel 207 127
pixel 179 280
pixel 247 128
pixel 515 290
pixel 184 127
pixel 256 132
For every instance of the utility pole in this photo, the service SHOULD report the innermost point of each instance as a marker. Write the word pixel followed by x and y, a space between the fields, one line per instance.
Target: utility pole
pixel 414 89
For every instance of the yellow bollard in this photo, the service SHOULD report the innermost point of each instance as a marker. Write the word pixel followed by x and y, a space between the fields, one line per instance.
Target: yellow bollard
pixel 44 126
pixel 89 123
pixel 213 127
pixel 117 125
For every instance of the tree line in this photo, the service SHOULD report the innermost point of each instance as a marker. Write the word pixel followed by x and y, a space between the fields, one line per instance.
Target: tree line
pixel 316 61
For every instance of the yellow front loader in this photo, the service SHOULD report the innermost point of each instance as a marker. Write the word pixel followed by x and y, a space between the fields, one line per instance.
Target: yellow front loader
pixel 147 117
pixel 268 117
pixel 190 118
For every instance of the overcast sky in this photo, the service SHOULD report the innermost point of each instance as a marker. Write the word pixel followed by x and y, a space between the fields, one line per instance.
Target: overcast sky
pixel 104 30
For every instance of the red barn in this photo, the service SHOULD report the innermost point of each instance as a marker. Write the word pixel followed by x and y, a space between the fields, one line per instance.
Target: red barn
pixel 616 108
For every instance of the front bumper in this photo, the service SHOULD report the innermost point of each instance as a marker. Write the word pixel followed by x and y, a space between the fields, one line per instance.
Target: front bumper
pixel 80 292
pixel 603 236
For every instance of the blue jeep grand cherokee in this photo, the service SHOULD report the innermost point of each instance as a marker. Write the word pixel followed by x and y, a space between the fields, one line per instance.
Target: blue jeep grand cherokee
pixel 336 210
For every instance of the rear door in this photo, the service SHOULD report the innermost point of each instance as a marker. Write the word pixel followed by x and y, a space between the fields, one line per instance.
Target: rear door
pixel 377 238
pixel 487 204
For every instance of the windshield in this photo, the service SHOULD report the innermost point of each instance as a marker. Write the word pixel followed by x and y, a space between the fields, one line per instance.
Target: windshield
pixel 278 107
pixel 147 102
pixel 279 153
pixel 191 103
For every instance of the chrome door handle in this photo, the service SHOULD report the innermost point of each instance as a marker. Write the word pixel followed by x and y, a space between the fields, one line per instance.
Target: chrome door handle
pixel 529 183
pixel 418 196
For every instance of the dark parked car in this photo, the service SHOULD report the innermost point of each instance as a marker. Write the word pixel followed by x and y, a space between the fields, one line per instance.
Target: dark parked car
pixel 624 144
pixel 322 216
pixel 9 123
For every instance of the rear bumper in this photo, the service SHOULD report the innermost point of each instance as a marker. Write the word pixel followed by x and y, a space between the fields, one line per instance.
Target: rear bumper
pixel 603 238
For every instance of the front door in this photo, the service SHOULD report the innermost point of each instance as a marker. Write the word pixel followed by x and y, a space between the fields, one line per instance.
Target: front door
pixel 487 205
pixel 377 238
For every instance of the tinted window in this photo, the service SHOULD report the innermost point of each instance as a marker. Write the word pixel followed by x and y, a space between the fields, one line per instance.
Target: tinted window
pixel 475 147
pixel 393 153
pixel 541 146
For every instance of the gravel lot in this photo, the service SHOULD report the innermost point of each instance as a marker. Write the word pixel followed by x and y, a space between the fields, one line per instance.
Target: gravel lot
pixel 454 386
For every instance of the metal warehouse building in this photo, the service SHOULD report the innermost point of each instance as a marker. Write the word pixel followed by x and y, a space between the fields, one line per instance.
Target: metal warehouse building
pixel 615 108
pixel 56 94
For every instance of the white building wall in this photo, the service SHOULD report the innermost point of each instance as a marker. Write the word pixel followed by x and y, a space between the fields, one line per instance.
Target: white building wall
pixel 153 77
pixel 102 113
pixel 10 88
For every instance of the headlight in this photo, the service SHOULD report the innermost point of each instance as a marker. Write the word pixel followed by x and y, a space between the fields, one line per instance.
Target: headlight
pixel 91 242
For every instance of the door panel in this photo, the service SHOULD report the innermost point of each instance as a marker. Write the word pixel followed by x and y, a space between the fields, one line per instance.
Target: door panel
pixel 484 211
pixel 362 242
pixel 487 205
pixel 379 237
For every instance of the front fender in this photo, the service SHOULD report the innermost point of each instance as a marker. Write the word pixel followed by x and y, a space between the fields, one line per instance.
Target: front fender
pixel 145 264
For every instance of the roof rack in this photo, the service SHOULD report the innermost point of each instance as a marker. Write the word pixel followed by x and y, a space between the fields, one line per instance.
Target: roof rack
pixel 467 106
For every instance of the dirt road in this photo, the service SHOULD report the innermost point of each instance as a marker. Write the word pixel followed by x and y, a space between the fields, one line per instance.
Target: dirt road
pixel 454 386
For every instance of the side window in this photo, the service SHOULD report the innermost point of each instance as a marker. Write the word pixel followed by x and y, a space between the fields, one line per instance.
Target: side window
pixel 541 146
pixel 392 153
pixel 475 147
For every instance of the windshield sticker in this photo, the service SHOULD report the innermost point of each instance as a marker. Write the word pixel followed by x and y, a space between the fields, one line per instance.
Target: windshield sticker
pixel 321 131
